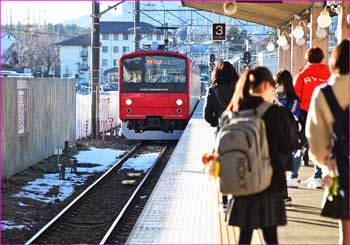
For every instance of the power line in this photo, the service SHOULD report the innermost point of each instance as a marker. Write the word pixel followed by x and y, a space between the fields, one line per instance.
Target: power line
pixel 37 32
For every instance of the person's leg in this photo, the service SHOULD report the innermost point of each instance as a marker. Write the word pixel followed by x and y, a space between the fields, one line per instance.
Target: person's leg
pixel 292 180
pixel 245 236
pixel 223 203
pixel 270 235
pixel 303 116
pixel 224 199
pixel 306 155
pixel 296 165
pixel 344 231
pixel 316 181
pixel 317 172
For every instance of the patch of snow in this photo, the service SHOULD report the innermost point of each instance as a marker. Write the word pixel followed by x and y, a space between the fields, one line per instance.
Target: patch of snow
pixel 9 225
pixel 22 204
pixel 98 156
pixel 39 188
pixel 142 162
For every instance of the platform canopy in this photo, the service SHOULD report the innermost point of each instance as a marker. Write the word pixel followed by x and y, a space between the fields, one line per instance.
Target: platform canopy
pixel 269 13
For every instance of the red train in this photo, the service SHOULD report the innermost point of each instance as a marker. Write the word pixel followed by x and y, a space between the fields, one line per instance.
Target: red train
pixel 158 91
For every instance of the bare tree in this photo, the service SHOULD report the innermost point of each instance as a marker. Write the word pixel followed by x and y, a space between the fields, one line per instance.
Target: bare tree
pixel 38 51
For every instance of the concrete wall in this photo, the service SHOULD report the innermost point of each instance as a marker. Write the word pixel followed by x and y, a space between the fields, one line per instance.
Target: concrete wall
pixel 50 120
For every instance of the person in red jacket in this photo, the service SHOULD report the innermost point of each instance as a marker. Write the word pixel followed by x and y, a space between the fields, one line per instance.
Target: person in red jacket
pixel 310 76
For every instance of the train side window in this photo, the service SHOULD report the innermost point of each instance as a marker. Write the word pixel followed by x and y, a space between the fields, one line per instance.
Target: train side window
pixel 132 70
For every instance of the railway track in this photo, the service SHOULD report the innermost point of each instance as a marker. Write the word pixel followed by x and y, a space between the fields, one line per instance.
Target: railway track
pixel 93 216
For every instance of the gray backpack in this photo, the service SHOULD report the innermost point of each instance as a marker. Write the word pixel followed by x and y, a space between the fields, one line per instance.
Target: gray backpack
pixel 243 152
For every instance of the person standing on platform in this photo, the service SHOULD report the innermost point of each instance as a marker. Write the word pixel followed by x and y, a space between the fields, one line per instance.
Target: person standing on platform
pixel 327 130
pixel 264 210
pixel 312 74
pixel 220 92
pixel 287 97
pixel 217 98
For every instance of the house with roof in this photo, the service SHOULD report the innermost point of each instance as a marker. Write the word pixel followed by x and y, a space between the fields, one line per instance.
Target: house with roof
pixel 116 39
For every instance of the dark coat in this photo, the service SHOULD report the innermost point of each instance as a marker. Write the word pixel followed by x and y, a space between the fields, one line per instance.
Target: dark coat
pixel 281 138
pixel 211 106
pixel 267 209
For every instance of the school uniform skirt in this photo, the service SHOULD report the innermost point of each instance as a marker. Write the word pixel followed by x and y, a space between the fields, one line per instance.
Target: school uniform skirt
pixel 256 211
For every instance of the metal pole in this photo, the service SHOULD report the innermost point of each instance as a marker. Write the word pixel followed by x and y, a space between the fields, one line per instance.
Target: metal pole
pixel 95 72
pixel 137 25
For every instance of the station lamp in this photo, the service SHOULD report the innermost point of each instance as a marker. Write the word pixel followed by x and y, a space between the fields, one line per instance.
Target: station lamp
pixel 298 31
pixel 285 47
pixel 321 33
pixel 230 8
pixel 300 41
pixel 282 40
pixel 324 20
pixel 270 46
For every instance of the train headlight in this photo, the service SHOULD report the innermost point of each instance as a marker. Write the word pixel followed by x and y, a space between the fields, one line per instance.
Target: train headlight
pixel 128 102
pixel 179 102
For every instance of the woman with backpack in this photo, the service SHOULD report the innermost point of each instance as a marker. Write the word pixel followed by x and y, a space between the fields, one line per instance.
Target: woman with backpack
pixel 266 209
pixel 218 97
pixel 220 92
pixel 288 98
pixel 327 130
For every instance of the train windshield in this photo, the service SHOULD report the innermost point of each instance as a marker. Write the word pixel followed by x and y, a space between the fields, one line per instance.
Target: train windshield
pixel 154 73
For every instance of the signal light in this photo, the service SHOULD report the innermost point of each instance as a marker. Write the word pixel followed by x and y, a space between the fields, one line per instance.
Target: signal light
pixel 246 57
pixel 212 58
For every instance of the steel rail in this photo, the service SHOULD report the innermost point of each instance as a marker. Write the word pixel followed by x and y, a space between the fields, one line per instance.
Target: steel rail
pixel 122 212
pixel 52 221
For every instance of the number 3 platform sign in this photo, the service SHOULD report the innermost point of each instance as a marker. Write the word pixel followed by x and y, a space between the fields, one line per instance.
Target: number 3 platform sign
pixel 219 32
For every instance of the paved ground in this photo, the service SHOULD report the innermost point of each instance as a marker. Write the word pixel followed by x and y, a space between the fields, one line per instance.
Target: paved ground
pixel 305 225
pixel 183 208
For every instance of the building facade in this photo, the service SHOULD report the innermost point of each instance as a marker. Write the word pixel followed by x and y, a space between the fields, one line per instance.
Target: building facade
pixel 116 39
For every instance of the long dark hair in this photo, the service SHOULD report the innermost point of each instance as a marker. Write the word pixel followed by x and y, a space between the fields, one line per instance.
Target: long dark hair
pixel 224 72
pixel 285 78
pixel 339 61
pixel 255 78
pixel 250 80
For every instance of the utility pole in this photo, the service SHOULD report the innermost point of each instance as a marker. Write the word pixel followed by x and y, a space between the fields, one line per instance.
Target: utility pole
pixel 137 25
pixel 95 71
pixel 95 67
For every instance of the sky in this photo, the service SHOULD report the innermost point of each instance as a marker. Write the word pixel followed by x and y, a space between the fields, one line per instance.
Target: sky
pixel 53 11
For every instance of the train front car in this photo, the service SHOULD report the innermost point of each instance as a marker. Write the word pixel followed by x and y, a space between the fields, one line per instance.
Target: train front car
pixel 158 93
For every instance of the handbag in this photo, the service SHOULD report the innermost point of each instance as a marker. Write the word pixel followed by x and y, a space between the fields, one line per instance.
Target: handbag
pixel 336 202
pixel 337 208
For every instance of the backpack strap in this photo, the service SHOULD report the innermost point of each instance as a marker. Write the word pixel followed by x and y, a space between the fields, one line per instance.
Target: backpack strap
pixel 218 98
pixel 262 108
pixel 332 101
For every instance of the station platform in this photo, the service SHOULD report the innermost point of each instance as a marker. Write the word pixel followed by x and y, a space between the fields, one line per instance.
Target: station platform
pixel 183 208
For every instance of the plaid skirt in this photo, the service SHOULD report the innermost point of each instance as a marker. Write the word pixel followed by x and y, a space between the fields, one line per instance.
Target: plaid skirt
pixel 256 211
